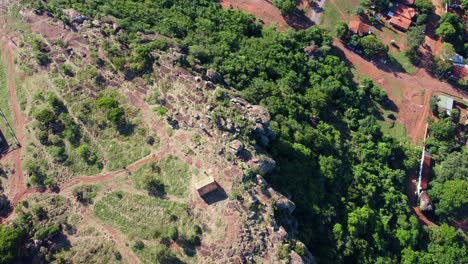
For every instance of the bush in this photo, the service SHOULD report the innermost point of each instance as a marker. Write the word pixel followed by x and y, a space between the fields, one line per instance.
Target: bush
pixel 286 6
pixel 139 245
pixel 372 46
pixel 84 152
pixel 341 30
pixel 42 58
pixel 173 233
pixel 422 19
pixel 66 69
pixel 45 116
pixel 85 193
pixel 424 6
pixel 161 110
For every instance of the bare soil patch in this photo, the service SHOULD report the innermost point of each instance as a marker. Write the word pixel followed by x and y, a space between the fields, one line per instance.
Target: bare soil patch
pixel 268 14
pixel 411 94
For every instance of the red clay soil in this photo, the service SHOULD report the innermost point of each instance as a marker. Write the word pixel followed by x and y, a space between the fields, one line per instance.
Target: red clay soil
pixel 262 9
pixel 128 254
pixel 411 192
pixel 16 182
pixel 411 94
pixel 268 14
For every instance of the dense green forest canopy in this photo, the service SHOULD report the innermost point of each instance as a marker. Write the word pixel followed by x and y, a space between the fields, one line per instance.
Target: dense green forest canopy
pixel 346 178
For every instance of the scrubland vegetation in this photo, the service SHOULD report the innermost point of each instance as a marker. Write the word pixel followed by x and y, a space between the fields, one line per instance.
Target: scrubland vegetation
pixel 345 176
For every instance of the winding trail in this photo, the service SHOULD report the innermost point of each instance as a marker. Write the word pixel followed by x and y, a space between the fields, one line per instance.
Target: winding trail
pixel 119 240
pixel 16 182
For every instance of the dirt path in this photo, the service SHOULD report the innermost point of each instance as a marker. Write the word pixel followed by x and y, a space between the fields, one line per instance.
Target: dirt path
pixel 411 94
pixel 16 183
pixel 411 192
pixel 127 253
pixel 268 14
pixel 313 9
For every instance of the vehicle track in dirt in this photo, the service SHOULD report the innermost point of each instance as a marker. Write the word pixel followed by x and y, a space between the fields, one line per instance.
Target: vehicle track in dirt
pixel 16 181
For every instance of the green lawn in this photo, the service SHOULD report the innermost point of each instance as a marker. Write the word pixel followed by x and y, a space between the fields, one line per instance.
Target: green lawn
pixel 404 61
pixel 392 128
pixel 331 14
pixel 173 173
pixel 149 219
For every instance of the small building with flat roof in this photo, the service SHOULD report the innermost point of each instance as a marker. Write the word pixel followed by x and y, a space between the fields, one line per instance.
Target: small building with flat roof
pixel 206 185
pixel 445 103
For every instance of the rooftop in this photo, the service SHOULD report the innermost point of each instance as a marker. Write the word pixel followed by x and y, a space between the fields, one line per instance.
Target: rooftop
pixel 359 28
pixel 404 11
pixel 400 22
pixel 459 72
pixel 445 102
pixel 206 186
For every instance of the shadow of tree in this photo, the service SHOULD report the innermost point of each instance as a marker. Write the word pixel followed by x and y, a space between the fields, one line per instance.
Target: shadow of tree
pixel 5 205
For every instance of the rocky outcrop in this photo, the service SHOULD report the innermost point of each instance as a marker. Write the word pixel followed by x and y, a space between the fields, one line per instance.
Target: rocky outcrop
pixel 425 203
pixel 264 164
pixel 214 76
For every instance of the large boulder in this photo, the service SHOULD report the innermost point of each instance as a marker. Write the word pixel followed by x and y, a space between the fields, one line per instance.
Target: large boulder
pixel 425 203
pixel 236 146
pixel 214 76
pixel 284 203
pixel 265 165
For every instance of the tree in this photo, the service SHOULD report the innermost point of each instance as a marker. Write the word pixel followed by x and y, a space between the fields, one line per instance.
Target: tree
pixel 355 41
pixel 286 6
pixel 464 4
pixel 447 31
pixel 10 243
pixel 450 199
pixel 341 30
pixel 84 152
pixel 451 29
pixel 173 233
pixel 443 130
pixel 421 19
pixel 382 5
pixel 454 167
pixel 446 53
pixel 359 11
pixel 45 116
pixel 415 37
pixel 424 6
pixel 372 46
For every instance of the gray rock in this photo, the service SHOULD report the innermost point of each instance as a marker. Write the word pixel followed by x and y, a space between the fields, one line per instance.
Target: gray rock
pixel 266 165
pixel 236 146
pixel 425 203
pixel 214 76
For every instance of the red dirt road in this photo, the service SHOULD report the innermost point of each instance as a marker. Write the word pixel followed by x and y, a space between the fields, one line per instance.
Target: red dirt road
pixel 262 9
pixel 16 182
pixel 268 14
pixel 411 192
pixel 411 94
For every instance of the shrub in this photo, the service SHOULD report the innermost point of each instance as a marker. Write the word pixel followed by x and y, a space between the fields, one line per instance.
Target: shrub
pixel 286 6
pixel 173 233
pixel 161 110
pixel 66 69
pixel 139 245
pixel 45 116
pixel 85 193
